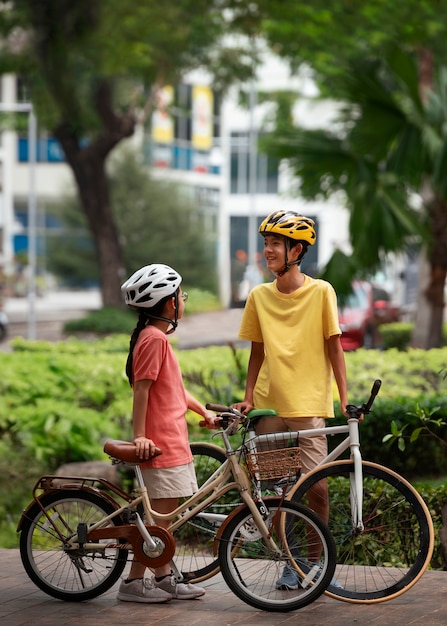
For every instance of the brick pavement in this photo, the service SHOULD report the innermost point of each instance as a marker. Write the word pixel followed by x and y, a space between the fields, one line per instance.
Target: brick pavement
pixel 23 604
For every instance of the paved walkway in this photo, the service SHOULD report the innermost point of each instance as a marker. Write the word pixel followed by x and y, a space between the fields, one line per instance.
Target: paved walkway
pixel 22 604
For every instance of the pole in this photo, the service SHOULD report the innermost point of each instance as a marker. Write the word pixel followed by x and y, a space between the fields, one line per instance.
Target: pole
pixel 32 225
pixel 253 176
pixel 27 107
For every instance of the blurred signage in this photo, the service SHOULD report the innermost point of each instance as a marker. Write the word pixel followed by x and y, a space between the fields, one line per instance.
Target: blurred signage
pixel 202 118
pixel 162 122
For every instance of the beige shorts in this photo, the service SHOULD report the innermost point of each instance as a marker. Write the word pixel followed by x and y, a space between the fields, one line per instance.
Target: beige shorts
pixel 313 449
pixel 170 482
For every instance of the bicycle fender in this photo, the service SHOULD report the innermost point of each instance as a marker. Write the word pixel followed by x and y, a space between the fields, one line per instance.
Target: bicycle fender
pixel 66 487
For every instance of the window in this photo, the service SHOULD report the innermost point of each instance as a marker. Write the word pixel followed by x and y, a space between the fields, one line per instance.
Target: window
pixel 266 168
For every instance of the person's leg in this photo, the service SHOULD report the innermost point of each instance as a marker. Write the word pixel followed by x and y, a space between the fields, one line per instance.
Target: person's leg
pixel 179 482
pixel 313 451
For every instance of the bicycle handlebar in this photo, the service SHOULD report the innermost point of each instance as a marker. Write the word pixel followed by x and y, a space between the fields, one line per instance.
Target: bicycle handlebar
pixel 356 411
pixel 228 413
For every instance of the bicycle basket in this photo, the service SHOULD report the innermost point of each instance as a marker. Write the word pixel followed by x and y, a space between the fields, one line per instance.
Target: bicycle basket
pixel 272 460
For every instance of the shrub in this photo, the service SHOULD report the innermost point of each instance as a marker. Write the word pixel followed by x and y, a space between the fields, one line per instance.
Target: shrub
pixel 122 320
pixel 398 335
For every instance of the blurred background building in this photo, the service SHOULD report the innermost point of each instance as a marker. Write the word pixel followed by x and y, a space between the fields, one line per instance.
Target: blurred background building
pixel 210 145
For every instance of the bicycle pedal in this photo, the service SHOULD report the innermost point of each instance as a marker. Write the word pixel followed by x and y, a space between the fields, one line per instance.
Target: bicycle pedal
pixel 82 533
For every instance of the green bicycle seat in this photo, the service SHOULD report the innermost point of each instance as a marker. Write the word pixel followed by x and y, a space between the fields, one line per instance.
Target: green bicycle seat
pixel 256 414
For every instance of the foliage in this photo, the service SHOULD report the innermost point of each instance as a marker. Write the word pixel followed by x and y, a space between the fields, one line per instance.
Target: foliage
pixel 60 404
pixel 428 428
pixel 435 497
pixel 103 321
pixel 61 400
pixel 95 70
pixel 52 383
pixel 388 144
pixel 328 34
pixel 221 387
pixel 398 335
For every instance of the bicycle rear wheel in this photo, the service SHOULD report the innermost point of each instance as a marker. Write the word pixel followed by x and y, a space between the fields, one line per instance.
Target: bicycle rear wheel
pixel 251 568
pixel 73 575
pixel 396 545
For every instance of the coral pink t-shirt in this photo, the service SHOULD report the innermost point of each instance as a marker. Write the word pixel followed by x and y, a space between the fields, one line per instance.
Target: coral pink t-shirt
pixel 154 359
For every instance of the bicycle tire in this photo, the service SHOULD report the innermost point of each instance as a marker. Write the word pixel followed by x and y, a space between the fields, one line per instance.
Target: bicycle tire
pixel 250 568
pixel 393 514
pixel 195 555
pixel 61 573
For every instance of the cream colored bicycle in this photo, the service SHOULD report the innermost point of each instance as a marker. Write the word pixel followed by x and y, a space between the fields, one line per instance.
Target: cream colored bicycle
pixel 78 534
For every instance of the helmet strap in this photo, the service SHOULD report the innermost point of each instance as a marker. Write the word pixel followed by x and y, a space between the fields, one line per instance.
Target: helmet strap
pixel 287 265
pixel 173 323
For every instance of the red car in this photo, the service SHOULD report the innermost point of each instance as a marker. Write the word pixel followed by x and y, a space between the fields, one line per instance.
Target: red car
pixel 365 309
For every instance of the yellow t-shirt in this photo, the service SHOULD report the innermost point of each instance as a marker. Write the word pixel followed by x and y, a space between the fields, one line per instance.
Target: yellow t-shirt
pixel 295 378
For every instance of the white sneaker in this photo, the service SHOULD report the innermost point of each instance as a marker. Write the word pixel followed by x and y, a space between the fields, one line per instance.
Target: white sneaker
pixel 180 591
pixel 142 590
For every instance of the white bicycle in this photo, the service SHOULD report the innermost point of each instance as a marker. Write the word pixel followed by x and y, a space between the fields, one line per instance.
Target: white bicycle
pixel 382 527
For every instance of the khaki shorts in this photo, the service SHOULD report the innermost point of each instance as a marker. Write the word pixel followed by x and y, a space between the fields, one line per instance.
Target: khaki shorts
pixel 170 482
pixel 313 449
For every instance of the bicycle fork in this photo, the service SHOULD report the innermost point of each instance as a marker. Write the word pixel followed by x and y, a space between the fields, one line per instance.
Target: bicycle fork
pixel 356 479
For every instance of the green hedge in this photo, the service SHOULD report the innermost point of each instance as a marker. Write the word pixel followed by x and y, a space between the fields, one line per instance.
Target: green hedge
pixel 398 335
pixel 61 400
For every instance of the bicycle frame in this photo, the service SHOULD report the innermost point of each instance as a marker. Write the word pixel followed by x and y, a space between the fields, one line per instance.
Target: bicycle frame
pixel 213 489
pixel 352 442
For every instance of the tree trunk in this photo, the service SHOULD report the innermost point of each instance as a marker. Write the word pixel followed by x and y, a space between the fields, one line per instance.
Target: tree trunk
pixel 431 303
pixel 89 169
pixel 438 269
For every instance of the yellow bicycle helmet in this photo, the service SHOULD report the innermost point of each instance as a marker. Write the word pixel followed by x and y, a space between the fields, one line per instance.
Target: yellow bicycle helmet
pixel 289 224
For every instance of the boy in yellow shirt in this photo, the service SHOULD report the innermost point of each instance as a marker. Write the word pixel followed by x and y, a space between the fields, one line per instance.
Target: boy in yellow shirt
pixel 292 324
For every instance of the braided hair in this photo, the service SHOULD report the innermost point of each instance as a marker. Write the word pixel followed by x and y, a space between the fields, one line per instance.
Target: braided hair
pixel 144 319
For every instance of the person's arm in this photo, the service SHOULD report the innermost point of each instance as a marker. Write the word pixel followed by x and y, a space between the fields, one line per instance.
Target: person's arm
pixel 209 420
pixel 254 365
pixel 337 359
pixel 145 447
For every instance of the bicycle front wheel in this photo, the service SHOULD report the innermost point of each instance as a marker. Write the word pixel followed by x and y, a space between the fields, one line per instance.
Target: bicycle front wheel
pixel 63 573
pixel 394 549
pixel 252 567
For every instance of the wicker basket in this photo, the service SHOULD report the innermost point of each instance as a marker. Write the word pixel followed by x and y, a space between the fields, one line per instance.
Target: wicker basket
pixel 273 464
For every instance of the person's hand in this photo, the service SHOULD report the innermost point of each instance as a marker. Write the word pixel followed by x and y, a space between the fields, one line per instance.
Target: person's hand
pixel 244 407
pixel 210 421
pixel 145 448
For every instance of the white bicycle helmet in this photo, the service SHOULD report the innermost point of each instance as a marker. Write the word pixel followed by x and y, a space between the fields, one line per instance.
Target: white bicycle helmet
pixel 150 284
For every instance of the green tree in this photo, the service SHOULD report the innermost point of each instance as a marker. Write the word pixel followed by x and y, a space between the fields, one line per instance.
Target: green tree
pixel 328 34
pixel 94 70
pixel 337 39
pixel 387 146
pixel 155 223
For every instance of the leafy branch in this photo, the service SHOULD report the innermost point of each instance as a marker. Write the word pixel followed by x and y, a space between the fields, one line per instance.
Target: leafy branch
pixel 427 424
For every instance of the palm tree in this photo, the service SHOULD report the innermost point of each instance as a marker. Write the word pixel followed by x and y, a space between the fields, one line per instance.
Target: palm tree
pixel 387 153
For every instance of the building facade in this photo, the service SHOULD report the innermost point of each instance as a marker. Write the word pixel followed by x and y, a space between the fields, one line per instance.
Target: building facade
pixel 208 144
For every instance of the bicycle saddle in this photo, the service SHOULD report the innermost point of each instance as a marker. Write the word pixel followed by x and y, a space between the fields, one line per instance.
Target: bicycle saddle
pixel 125 451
